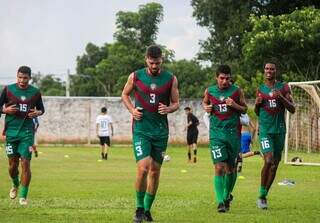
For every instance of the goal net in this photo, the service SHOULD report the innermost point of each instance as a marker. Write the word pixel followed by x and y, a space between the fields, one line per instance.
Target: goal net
pixel 302 145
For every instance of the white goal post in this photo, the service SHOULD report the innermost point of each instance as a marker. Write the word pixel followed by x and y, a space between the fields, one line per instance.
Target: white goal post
pixel 303 127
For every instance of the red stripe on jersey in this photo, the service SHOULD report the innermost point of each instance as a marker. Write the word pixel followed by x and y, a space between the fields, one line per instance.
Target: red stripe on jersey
pixel 147 90
pixel 215 101
pixel 266 97
pixel 12 99
pixel 145 104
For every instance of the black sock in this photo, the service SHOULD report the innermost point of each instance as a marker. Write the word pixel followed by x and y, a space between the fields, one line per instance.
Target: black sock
pixel 195 152
pixel 189 155
pixel 102 155
pixel 106 156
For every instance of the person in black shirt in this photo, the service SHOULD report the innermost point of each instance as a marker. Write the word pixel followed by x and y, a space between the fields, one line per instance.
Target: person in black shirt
pixel 192 133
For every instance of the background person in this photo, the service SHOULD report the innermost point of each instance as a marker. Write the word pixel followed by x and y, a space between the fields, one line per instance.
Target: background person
pixel 103 128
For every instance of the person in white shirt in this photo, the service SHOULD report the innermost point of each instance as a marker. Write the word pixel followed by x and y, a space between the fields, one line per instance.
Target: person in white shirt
pixel 103 127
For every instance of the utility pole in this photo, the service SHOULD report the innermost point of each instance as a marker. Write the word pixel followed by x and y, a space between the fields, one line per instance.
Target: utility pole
pixel 68 84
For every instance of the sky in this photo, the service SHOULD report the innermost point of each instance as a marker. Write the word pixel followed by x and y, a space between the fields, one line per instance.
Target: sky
pixel 48 35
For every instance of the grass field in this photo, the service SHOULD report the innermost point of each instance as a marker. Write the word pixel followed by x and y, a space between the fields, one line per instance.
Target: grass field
pixel 81 189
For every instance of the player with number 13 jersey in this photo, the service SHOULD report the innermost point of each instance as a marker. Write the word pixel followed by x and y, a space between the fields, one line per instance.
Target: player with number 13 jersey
pixel 225 102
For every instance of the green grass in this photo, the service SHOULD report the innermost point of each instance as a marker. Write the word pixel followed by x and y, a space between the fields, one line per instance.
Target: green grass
pixel 80 189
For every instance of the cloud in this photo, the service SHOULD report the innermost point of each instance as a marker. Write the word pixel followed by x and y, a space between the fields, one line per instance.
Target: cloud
pixel 49 35
pixel 182 35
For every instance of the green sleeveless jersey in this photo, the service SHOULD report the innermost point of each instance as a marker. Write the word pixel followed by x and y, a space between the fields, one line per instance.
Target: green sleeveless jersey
pixel 24 100
pixel 271 111
pixel 149 92
pixel 223 117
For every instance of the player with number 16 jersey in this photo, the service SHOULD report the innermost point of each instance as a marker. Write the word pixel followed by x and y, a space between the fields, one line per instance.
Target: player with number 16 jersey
pixel 272 98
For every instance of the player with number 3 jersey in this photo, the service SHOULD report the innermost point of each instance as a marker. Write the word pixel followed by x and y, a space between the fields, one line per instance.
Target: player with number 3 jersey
pixel 156 94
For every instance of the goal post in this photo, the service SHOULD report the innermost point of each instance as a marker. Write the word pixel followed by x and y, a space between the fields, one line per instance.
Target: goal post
pixel 303 127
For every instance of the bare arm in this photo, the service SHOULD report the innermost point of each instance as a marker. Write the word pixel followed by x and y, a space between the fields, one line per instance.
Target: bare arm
pixel 125 96
pixel 97 128
pixel 206 102
pixel 257 104
pixel 111 127
pixel 241 107
pixel 288 102
pixel 174 99
pixel 253 130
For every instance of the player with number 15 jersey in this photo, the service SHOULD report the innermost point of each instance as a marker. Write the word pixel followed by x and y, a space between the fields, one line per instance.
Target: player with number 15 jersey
pixel 21 103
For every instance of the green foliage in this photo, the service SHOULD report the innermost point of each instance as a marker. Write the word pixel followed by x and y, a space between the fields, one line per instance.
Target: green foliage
pixel 93 56
pixel 139 29
pixel 49 85
pixel 103 71
pixel 292 40
pixel 249 86
pixel 228 20
pixel 192 78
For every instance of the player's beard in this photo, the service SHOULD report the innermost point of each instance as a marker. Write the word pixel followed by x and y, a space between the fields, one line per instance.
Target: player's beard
pixel 155 71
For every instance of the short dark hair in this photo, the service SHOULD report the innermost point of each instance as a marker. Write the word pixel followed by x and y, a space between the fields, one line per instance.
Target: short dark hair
pixel 154 51
pixel 103 109
pixel 269 62
pixel 25 70
pixel 187 109
pixel 223 68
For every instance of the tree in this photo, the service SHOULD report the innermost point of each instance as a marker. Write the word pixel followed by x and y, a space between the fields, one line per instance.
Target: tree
pixel 228 20
pixel 49 85
pixel 292 40
pixel 191 77
pixel 104 71
pixel 139 28
pixel 93 56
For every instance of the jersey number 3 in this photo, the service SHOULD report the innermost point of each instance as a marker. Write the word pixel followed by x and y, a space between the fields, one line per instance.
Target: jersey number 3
pixel 152 98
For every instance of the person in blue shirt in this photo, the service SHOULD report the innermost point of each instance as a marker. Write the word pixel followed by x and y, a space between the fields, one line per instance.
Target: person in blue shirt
pixel 248 131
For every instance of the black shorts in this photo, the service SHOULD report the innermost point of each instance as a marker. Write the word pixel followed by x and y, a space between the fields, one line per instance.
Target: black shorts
pixel 192 138
pixel 104 140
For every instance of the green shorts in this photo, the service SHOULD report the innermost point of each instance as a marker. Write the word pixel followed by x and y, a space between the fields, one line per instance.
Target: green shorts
pixel 20 145
pixel 225 146
pixel 144 146
pixel 272 143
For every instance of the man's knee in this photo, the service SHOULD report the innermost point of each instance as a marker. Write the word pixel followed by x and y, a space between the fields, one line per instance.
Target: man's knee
pixel 274 166
pixel 13 164
pixel 219 168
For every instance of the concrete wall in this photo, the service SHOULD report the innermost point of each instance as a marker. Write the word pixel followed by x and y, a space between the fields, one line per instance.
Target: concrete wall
pixel 72 120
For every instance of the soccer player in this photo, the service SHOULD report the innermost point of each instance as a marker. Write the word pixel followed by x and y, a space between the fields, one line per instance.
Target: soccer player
pixel 273 97
pixel 247 135
pixel 225 102
pixel 156 94
pixel 20 102
pixel 192 133
pixel 103 127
